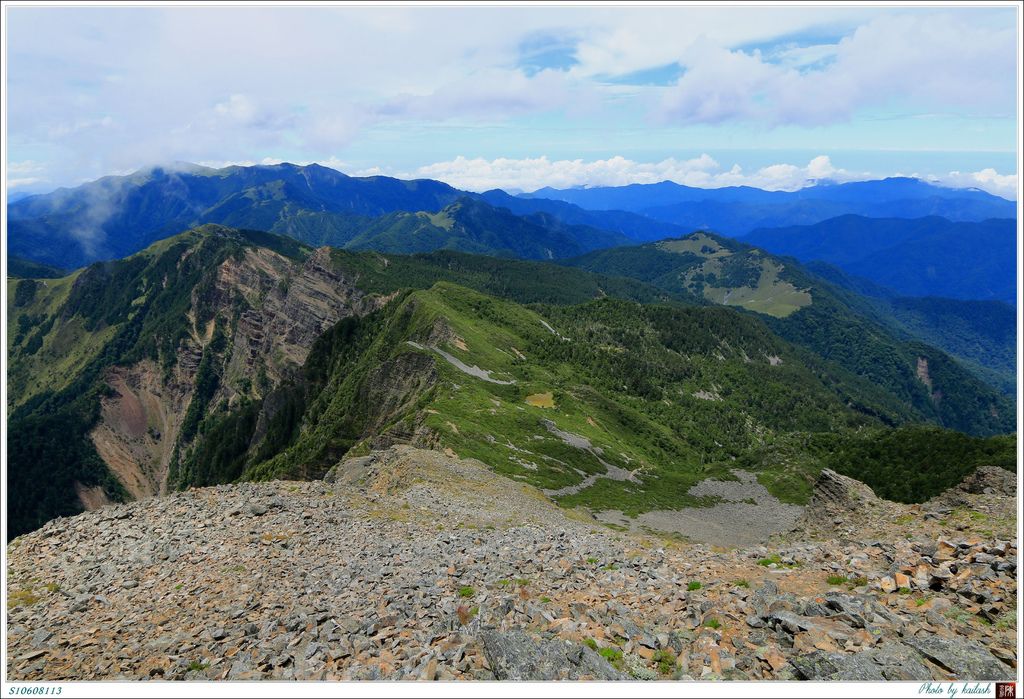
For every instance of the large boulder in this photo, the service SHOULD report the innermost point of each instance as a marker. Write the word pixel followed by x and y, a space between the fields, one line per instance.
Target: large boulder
pixel 837 500
pixel 961 658
pixel 517 656
pixel 919 659
pixel 982 481
pixel 990 480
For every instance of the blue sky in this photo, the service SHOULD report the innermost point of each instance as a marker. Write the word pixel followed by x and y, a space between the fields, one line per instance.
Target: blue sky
pixel 519 97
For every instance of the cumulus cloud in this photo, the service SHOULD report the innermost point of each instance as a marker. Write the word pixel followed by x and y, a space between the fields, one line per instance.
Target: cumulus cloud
pixel 97 90
pixel 528 174
pixel 935 60
pixel 988 180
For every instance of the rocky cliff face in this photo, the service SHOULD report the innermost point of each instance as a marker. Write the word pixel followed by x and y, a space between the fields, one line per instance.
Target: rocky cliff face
pixel 139 424
pixel 286 307
pixel 409 564
pixel 270 309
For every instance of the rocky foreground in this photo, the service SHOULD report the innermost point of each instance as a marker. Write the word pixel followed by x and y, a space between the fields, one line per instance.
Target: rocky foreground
pixel 412 565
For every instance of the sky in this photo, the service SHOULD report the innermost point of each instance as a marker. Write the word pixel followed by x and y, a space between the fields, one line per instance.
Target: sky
pixel 519 97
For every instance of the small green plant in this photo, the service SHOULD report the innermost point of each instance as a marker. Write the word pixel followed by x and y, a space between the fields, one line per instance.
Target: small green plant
pixel 693 585
pixel 665 660
pixel 504 582
pixel 22 598
pixel 545 599
pixel 857 582
pixel 837 580
pixel 179 586
pixel 742 583
pixel 904 590
pixel 52 587
pixel 611 566
pixel 591 644
pixel 921 601
pixel 713 623
pixel 196 666
pixel 957 614
pixel 774 558
pixel 592 560
pixel 466 591
pixel 522 582
pixel 613 656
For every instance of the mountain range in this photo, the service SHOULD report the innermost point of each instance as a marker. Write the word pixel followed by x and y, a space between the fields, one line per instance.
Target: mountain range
pixel 221 354
pixel 928 256
pixel 736 211
pixel 261 323
pixel 115 217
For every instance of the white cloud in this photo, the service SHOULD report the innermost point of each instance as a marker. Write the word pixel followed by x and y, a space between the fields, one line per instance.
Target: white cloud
pixel 529 174
pixel 22 181
pixel 25 173
pixel 93 90
pixel 492 93
pixel 64 129
pixel 988 180
pixel 928 61
pixel 237 108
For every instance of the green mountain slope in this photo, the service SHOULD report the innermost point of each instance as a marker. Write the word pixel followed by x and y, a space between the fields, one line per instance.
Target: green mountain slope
pixel 115 368
pixel 809 312
pixel 477 227
pixel 609 404
pixel 27 269
pixel 220 355
pixel 981 335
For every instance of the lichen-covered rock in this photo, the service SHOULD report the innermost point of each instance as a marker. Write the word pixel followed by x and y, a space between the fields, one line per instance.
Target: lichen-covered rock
pixel 837 504
pixel 891 661
pixel 961 658
pixel 990 480
pixel 518 656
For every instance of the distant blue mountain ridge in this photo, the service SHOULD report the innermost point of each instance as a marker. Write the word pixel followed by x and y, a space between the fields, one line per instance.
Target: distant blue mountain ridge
pixel 930 256
pixel 736 211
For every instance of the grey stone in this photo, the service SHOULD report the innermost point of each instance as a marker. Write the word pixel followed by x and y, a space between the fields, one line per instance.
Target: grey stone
pixel 964 659
pixel 516 655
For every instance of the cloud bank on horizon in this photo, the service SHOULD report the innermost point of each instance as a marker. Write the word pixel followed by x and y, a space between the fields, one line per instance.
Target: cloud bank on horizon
pixel 531 174
pixel 611 95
